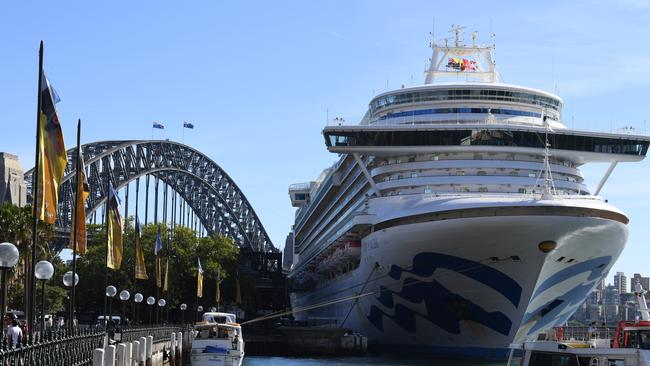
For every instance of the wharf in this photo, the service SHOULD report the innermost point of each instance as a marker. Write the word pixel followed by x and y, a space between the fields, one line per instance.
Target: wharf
pixel 306 341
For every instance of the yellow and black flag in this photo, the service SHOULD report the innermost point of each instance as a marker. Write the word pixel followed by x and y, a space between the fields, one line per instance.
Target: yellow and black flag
pixel 166 282
pixel 140 267
pixel 52 157
pixel 199 281
pixel 115 229
pixel 218 292
pixel 79 214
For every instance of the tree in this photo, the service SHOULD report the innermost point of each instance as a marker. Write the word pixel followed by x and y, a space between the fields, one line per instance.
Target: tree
pixel 217 253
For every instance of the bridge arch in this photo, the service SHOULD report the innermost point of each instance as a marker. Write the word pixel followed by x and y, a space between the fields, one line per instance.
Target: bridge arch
pixel 210 192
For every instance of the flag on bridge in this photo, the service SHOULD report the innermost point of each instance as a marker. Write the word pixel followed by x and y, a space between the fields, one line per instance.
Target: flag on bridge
pixel 199 280
pixel 188 125
pixel 140 267
pixel 115 228
pixel 159 126
pixel 166 281
pixel 79 214
pixel 52 157
pixel 157 248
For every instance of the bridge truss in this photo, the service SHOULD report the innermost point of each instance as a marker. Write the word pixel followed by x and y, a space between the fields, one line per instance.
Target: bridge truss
pixel 212 195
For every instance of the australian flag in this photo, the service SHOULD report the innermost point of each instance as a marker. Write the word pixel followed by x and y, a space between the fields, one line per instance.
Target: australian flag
pixel 158 125
pixel 188 125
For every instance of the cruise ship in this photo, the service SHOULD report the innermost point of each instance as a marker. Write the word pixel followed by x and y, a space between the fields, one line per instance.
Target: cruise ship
pixel 456 220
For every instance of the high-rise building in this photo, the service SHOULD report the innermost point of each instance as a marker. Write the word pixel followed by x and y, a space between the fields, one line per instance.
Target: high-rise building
pixel 645 282
pixel 620 282
pixel 12 182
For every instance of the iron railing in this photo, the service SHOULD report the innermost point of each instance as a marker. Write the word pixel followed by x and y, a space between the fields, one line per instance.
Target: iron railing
pixel 60 347
pixel 74 348
pixel 160 334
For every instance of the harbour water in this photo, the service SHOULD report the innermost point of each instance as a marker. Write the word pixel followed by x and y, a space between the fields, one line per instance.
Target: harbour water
pixel 361 361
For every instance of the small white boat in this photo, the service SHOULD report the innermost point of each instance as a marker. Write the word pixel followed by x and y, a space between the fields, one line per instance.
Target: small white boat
pixel 630 346
pixel 218 341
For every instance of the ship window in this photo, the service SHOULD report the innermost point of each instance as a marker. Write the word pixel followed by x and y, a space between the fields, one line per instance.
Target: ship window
pixel 552 359
pixel 482 189
pixel 414 175
pixel 460 172
pixel 521 190
pixel 427 190
pixel 481 172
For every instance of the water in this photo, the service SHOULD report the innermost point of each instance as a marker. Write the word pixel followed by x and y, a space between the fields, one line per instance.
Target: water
pixel 360 361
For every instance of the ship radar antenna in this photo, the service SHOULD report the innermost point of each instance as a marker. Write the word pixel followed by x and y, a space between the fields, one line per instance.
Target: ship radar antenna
pixel 474 35
pixel 458 31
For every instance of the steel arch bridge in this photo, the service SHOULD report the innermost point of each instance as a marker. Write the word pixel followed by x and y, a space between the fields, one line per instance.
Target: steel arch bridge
pixel 212 195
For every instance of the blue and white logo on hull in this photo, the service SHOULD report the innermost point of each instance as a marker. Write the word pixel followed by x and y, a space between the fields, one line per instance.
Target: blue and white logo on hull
pixel 444 308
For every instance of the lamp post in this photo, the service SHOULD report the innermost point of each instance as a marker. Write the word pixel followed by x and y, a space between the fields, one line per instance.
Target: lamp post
pixel 138 299
pixel 199 309
pixel 183 308
pixel 111 291
pixel 43 271
pixel 68 282
pixel 161 305
pixel 150 301
pixel 8 259
pixel 124 296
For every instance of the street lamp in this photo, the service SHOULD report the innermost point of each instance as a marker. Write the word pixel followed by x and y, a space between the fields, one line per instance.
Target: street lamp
pixel 8 259
pixel 124 296
pixel 138 299
pixel 111 291
pixel 183 308
pixel 161 304
pixel 199 309
pixel 67 282
pixel 150 301
pixel 43 271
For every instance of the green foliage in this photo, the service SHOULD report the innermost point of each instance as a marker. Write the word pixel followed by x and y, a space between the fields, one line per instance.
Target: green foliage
pixel 217 253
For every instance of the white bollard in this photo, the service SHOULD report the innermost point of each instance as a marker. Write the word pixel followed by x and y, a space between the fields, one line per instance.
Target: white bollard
pixel 179 346
pixel 127 354
pixel 109 356
pixel 172 347
pixel 135 352
pixel 120 355
pixel 98 357
pixel 149 347
pixel 142 350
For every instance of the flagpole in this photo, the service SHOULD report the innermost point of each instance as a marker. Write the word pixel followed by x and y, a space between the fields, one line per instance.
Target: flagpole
pixel 135 244
pixel 106 219
pixel 75 225
pixel 35 179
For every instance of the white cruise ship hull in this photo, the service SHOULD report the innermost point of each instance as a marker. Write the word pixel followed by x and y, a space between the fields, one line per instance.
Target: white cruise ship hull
pixel 467 278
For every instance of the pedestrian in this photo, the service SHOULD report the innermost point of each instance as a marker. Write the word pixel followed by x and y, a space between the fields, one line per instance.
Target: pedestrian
pixel 15 333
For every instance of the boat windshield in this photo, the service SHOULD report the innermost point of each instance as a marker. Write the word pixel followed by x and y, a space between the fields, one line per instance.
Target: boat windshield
pixel 642 340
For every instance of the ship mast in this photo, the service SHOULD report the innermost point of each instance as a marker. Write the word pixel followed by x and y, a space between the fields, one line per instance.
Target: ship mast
pixel 472 63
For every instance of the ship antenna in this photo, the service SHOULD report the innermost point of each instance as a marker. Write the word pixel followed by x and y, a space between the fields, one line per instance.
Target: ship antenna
pixel 474 35
pixel 549 185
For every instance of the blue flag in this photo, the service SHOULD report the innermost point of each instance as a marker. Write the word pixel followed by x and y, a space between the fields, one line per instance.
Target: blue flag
pixel 158 246
pixel 138 229
pixel 158 126
pixel 188 125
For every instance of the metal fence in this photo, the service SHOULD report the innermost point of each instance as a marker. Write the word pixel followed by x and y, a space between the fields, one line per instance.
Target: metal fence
pixel 160 334
pixel 74 348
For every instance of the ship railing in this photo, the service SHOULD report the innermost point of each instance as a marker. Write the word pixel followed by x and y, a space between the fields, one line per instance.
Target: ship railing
pixel 577 333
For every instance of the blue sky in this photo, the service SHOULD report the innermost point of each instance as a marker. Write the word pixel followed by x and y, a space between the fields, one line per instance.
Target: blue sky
pixel 256 78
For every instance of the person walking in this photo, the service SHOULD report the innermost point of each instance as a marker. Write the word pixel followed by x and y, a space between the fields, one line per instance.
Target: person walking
pixel 15 333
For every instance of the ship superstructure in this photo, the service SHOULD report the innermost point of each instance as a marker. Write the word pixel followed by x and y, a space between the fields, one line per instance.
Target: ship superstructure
pixel 456 220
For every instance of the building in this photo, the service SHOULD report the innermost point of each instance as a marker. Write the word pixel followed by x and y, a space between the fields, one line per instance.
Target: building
pixel 12 182
pixel 611 296
pixel 645 282
pixel 620 282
